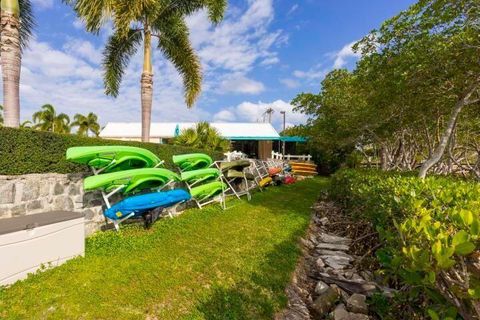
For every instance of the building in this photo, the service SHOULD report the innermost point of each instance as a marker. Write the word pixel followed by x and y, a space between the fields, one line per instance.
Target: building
pixel 254 139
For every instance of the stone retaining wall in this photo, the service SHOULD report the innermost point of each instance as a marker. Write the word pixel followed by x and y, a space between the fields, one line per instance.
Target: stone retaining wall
pixel 36 193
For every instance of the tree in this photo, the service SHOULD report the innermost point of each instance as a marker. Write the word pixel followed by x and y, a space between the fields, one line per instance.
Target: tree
pixel 134 24
pixel 203 136
pixel 86 124
pixel 16 28
pixel 1 115
pixel 47 119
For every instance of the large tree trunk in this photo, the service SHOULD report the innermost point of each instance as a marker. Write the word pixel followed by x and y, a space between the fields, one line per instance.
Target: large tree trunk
pixel 445 138
pixel 147 87
pixel 10 56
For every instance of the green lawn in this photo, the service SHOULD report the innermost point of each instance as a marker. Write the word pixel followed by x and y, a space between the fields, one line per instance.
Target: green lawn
pixel 208 264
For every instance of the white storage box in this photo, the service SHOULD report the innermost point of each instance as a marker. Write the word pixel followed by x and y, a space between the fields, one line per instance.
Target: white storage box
pixel 27 242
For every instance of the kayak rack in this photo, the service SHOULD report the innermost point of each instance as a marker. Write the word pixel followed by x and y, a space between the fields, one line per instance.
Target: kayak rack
pixel 230 181
pixel 106 198
pixel 202 202
pixel 259 171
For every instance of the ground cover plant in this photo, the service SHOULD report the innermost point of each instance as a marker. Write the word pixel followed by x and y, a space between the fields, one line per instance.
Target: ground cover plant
pixel 24 151
pixel 208 264
pixel 429 234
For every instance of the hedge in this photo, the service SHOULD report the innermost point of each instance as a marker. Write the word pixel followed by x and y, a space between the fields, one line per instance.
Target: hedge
pixel 24 151
pixel 429 231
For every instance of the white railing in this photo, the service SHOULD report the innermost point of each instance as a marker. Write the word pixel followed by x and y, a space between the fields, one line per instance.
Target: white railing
pixel 235 155
pixel 288 157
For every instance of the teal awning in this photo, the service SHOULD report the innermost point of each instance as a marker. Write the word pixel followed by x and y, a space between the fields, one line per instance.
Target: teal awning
pixel 293 139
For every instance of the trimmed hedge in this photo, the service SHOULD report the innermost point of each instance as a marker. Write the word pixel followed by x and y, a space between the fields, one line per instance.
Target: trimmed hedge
pixel 429 230
pixel 24 151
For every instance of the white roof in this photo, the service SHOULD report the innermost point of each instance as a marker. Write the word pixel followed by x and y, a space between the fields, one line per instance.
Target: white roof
pixel 229 130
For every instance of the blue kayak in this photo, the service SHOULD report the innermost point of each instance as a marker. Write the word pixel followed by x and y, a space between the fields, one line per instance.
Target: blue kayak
pixel 146 202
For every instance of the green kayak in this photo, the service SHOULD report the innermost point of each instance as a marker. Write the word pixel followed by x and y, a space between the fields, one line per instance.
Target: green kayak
pixel 238 165
pixel 192 161
pixel 198 176
pixel 113 158
pixel 133 180
pixel 208 190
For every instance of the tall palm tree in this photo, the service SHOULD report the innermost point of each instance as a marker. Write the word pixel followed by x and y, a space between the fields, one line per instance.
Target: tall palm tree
pixel 16 28
pixel 202 136
pixel 134 24
pixel 86 124
pixel 47 119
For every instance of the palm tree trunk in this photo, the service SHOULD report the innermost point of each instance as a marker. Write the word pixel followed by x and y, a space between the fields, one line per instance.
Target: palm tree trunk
pixel 10 61
pixel 147 86
pixel 445 138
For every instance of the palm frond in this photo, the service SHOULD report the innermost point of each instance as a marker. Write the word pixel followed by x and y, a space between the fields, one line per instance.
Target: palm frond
pixel 116 57
pixel 94 13
pixel 176 46
pixel 27 22
pixel 215 8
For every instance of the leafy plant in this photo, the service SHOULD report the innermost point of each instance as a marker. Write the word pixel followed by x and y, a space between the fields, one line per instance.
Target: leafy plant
pixel 430 231
pixel 202 136
pixel 47 119
pixel 86 124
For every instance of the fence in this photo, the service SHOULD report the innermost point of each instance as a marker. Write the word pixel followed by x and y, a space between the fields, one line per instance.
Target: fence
pixel 288 157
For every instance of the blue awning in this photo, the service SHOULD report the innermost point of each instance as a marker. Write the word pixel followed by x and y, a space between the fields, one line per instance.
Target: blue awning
pixel 293 139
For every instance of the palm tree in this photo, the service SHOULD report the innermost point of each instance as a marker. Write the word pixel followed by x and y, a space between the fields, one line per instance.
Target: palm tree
pixel 47 120
pixel 86 124
pixel 203 136
pixel 1 115
pixel 16 28
pixel 26 124
pixel 134 24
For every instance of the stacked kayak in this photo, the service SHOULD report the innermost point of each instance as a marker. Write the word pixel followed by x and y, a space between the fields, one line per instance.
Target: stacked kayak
pixel 113 158
pixel 192 161
pixel 128 170
pixel 235 169
pixel 131 181
pixel 303 168
pixel 203 182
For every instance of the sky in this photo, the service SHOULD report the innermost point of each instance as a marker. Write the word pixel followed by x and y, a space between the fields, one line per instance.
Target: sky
pixel 261 55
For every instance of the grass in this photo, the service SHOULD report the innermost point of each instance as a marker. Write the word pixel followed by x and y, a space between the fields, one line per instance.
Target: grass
pixel 208 264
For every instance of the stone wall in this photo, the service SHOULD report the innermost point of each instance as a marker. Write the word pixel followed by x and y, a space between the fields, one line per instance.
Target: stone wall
pixel 36 193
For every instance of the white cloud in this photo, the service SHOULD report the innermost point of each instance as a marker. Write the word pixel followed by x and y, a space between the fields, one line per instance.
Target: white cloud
pixel 292 9
pixel 83 49
pixel 336 60
pixel 238 83
pixel 252 112
pixel 44 4
pixel 78 24
pixel 342 56
pixel 290 83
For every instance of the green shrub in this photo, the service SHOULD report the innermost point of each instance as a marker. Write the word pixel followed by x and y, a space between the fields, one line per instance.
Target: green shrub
pixel 430 231
pixel 25 151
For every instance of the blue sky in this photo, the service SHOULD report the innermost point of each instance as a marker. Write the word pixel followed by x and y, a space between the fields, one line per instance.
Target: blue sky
pixel 262 55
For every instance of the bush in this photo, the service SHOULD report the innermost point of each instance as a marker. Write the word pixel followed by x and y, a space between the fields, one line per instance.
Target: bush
pixel 25 151
pixel 430 231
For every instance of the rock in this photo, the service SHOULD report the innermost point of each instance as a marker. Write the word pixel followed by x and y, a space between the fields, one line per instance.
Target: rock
pixel 321 287
pixel 63 203
pixel 333 246
pixel 357 304
pixel 323 221
pixel 320 264
pixel 18 210
pixel 325 302
pixel 325 252
pixel 34 205
pixel 7 193
pixel 325 237
pixel 31 190
pixel 341 314
pixel 367 275
pixel 58 189
pixel 307 243
pixel 342 293
pixel 336 262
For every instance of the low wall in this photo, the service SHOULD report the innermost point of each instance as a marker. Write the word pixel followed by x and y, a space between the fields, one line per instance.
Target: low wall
pixel 36 193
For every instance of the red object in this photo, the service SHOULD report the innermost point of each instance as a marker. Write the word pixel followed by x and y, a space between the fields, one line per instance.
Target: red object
pixel 289 180
pixel 274 171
